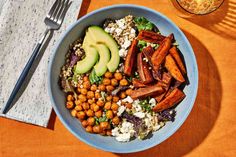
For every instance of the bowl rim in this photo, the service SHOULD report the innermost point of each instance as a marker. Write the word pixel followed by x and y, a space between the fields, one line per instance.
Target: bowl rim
pixel 178 123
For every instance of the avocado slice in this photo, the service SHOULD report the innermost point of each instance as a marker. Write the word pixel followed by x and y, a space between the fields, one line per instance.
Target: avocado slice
pixel 91 57
pixel 102 37
pixel 104 56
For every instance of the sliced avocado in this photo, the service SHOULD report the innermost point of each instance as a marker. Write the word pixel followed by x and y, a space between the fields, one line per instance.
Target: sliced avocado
pixel 91 57
pixel 104 56
pixel 100 36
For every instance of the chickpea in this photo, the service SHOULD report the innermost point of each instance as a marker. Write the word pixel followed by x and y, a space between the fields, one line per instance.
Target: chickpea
pixel 92 106
pixel 98 95
pixel 100 103
pixel 95 108
pixel 107 105
pixel 84 123
pixel 115 98
pixel 86 78
pixel 123 82
pixel 69 105
pixel 85 106
pixel 91 101
pixel 109 88
pixel 128 105
pixel 102 87
pixel 118 76
pixel 116 120
pixel 87 85
pixel 78 89
pixel 109 114
pixel 73 113
pixel 114 82
pixel 78 102
pixel 109 126
pixel 82 98
pixel 91 121
pixel 128 92
pixel 122 95
pixel 90 113
pixel 103 133
pixel 108 132
pixel 106 81
pixel 83 91
pixel 93 87
pixel 78 108
pixel 89 129
pixel 109 98
pixel 114 107
pixel 108 74
pixel 90 94
pixel 104 125
pixel 98 114
pixel 70 97
pixel 96 129
pixel 81 115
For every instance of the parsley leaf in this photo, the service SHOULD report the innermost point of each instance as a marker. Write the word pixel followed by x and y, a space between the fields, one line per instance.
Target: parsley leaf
pixel 143 24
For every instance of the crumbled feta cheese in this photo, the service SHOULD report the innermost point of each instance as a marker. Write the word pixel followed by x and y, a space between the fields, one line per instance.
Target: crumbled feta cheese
pixel 126 44
pixel 115 131
pixel 136 106
pixel 128 99
pixel 123 132
pixel 122 52
pixel 112 29
pixel 121 109
pixel 145 59
pixel 132 31
pixel 121 23
pixel 139 114
pixel 152 102
pixel 118 31
pixel 126 127
pixel 118 103
pixel 123 137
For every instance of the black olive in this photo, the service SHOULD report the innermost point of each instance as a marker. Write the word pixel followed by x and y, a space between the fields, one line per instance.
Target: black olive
pixel 107 21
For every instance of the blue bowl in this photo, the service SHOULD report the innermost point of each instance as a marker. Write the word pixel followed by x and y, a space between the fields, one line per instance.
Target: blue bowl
pixel 96 18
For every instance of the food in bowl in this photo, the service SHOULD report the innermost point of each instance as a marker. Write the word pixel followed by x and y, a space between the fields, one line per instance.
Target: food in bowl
pixel 123 79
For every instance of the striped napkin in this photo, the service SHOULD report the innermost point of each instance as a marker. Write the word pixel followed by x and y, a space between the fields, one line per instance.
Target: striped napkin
pixel 21 26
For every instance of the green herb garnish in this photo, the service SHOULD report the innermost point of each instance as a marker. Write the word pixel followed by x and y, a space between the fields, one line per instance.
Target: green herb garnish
pixel 93 78
pixel 143 24
pixel 142 44
pixel 102 119
pixel 145 105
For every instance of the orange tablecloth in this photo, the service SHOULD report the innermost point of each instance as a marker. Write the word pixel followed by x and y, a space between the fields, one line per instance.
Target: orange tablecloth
pixel 210 130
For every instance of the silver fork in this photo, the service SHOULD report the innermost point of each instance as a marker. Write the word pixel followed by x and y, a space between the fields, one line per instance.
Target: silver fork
pixel 53 21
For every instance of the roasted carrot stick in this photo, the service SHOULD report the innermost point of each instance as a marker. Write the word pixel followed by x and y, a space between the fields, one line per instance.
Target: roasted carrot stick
pixel 148 52
pixel 165 83
pixel 150 36
pixel 137 83
pixel 144 72
pixel 159 55
pixel 146 91
pixel 130 58
pixel 174 53
pixel 173 98
pixel 173 68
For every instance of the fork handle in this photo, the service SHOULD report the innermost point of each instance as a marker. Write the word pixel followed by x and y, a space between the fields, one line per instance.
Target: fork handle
pixel 24 73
